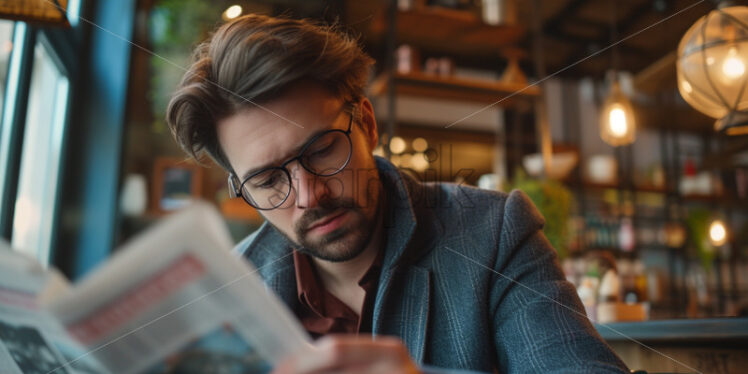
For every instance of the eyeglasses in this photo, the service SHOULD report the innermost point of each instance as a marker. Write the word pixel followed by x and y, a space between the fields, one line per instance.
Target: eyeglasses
pixel 326 154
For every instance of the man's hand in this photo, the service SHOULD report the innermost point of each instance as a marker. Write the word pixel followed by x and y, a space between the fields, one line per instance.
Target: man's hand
pixel 351 354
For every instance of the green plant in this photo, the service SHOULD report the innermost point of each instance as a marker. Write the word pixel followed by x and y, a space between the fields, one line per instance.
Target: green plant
pixel 175 28
pixel 554 201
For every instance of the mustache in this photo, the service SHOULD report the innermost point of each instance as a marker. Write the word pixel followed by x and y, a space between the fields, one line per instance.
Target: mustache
pixel 324 209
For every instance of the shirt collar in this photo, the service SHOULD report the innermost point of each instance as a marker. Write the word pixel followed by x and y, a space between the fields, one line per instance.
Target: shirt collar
pixel 310 290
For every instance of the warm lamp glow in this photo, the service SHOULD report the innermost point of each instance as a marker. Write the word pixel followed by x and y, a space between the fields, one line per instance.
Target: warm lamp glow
pixel 232 12
pixel 733 66
pixel 711 66
pixel 419 162
pixel 397 145
pixel 717 233
pixel 617 118
pixel 686 86
pixel 617 124
pixel 420 144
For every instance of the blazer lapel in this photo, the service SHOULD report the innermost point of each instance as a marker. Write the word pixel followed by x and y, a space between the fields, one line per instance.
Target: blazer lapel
pixel 402 303
pixel 283 284
pixel 270 252
pixel 407 313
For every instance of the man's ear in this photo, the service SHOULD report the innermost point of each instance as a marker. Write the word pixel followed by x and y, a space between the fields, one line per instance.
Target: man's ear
pixel 369 122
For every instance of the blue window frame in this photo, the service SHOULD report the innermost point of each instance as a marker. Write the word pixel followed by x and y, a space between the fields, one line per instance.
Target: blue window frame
pixel 36 90
pixel 43 140
pixel 10 130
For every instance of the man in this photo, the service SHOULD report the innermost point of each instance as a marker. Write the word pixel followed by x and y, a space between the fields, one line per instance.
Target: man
pixel 442 275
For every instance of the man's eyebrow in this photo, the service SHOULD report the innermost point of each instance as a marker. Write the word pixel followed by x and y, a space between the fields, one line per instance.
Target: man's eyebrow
pixel 292 153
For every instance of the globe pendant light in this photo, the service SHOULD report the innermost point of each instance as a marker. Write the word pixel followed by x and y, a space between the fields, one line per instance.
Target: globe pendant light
pixel 617 122
pixel 712 64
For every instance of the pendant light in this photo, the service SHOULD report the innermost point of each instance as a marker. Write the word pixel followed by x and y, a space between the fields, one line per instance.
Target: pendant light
pixel 41 12
pixel 717 233
pixel 617 122
pixel 712 64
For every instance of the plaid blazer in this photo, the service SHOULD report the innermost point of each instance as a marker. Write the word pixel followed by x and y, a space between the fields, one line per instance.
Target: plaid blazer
pixel 468 282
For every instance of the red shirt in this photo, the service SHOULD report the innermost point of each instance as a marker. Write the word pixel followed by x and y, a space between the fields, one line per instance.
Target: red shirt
pixel 320 312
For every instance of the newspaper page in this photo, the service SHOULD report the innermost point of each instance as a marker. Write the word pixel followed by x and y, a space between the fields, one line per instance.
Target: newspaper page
pixel 31 340
pixel 175 299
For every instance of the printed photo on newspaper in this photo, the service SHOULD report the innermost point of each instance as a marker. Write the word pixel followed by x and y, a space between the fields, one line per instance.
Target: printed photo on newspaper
pixel 31 339
pixel 174 299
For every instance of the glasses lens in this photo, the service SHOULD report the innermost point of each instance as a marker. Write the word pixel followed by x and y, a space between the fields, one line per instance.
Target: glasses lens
pixel 268 189
pixel 328 154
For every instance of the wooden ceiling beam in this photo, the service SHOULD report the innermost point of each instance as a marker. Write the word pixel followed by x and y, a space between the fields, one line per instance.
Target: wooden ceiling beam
pixel 578 40
pixel 553 25
pixel 623 26
pixel 658 76
pixel 633 17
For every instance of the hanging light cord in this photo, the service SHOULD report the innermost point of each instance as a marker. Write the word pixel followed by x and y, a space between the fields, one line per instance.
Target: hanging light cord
pixel 613 37
pixel 59 7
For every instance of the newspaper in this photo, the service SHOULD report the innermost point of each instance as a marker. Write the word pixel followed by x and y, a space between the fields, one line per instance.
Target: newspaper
pixel 31 339
pixel 174 299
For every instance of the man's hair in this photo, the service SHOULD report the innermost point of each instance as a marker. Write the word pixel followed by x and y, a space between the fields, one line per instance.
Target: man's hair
pixel 252 60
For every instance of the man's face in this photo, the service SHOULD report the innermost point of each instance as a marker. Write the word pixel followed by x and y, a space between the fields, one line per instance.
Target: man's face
pixel 331 218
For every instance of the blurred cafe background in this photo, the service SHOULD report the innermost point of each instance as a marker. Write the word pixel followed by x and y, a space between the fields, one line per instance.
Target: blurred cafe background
pixel 625 122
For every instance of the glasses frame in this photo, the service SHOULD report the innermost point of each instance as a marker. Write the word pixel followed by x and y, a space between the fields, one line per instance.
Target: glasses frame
pixel 236 190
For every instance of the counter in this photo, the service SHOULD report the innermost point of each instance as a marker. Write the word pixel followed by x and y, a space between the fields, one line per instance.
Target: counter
pixel 677 330
pixel 714 345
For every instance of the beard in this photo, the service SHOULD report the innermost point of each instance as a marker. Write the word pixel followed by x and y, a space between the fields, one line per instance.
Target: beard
pixel 342 244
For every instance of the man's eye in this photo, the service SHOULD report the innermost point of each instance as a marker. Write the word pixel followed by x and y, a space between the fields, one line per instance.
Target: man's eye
pixel 322 150
pixel 268 182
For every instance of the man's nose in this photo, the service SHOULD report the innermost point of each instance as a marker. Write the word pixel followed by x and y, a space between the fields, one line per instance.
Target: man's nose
pixel 310 189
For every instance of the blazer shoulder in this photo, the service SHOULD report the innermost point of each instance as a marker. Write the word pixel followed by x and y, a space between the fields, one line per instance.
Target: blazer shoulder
pixel 469 199
pixel 513 215
pixel 521 219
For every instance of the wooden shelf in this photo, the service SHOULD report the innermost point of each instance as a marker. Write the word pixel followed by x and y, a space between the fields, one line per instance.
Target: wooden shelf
pixel 716 199
pixel 708 198
pixel 451 88
pixel 614 186
pixel 448 31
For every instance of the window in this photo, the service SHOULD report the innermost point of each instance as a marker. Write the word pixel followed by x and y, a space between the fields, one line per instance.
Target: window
pixel 37 71
pixel 12 40
pixel 6 46
pixel 74 7
pixel 40 158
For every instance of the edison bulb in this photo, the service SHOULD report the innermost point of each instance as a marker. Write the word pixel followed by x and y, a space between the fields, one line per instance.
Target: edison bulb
pixel 733 67
pixel 232 12
pixel 617 120
pixel 717 233
pixel 618 125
